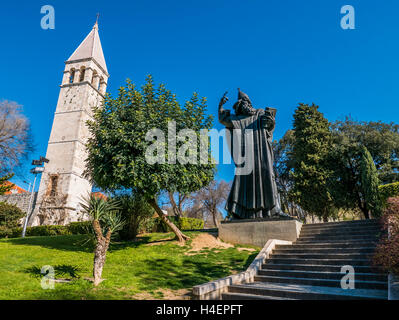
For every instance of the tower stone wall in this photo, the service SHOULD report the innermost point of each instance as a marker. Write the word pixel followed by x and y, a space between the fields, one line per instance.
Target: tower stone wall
pixel 63 185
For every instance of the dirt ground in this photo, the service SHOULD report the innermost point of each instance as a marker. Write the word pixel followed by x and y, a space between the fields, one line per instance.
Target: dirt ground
pixel 208 241
pixel 182 294
pixel 201 242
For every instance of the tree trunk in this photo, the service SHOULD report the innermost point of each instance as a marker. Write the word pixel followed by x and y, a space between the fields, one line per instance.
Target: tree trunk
pixel 100 252
pixel 359 200
pixel 215 219
pixel 175 229
pixel 365 212
pixel 363 208
pixel 214 212
pixel 176 209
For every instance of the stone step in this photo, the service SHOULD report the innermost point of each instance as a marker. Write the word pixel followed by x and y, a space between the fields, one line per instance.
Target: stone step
pixel 352 227
pixel 310 268
pixel 306 292
pixel 326 262
pixel 364 231
pixel 327 256
pixel 359 284
pixel 323 238
pixel 313 242
pixel 321 274
pixel 290 250
pixel 328 245
pixel 319 268
pixel 246 296
pixel 343 224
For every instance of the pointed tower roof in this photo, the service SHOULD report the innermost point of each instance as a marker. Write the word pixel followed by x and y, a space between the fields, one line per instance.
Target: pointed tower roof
pixel 90 48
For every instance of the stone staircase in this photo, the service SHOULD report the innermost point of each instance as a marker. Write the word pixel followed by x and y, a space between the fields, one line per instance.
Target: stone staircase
pixel 310 268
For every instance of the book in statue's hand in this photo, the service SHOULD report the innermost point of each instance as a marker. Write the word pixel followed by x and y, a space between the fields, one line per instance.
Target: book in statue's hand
pixel 271 111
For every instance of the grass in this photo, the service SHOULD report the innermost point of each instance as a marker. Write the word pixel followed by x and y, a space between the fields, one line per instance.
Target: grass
pixel 131 268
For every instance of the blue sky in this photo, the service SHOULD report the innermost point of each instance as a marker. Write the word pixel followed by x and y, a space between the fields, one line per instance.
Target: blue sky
pixel 279 52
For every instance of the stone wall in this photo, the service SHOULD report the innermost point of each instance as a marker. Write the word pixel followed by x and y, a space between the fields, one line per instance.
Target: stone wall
pixel 21 200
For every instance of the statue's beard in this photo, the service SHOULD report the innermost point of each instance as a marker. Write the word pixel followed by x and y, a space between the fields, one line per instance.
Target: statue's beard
pixel 245 109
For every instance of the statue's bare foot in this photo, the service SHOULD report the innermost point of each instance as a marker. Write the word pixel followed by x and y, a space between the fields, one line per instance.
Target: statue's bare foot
pixel 281 214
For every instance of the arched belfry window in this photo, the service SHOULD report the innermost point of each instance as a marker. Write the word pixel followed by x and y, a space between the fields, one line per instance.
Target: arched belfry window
pixel 93 79
pixel 71 75
pixel 82 74
pixel 100 83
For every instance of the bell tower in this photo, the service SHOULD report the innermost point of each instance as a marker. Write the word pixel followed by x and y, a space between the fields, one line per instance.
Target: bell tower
pixel 62 184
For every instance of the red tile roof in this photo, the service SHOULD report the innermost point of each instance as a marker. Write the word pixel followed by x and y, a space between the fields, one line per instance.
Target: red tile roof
pixel 100 195
pixel 14 189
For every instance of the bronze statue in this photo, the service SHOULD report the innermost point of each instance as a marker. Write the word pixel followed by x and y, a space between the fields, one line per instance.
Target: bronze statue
pixel 250 134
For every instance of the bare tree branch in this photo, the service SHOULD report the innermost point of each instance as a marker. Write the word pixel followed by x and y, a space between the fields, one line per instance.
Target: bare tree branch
pixel 15 137
pixel 211 199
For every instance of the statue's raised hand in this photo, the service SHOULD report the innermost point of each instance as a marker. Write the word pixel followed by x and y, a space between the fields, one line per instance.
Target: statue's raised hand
pixel 223 100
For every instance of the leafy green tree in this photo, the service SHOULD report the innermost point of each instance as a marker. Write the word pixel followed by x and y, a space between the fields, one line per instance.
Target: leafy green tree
pixel 380 139
pixel 10 217
pixel 370 183
pixel 119 144
pixel 349 138
pixel 106 220
pixel 5 187
pixel 310 160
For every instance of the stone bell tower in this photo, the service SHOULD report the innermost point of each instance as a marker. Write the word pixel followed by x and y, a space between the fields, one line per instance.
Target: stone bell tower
pixel 62 184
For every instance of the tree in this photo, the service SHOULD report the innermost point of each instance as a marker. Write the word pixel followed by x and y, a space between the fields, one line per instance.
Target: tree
pixel 283 166
pixel 15 138
pixel 348 186
pixel 309 156
pixel 212 198
pixel 105 220
pixel 4 185
pixel 369 184
pixel 10 217
pixel 380 139
pixel 122 152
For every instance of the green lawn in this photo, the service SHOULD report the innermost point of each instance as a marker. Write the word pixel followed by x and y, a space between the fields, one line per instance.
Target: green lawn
pixel 149 268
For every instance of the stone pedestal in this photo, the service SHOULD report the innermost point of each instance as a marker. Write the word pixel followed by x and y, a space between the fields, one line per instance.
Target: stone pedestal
pixel 258 231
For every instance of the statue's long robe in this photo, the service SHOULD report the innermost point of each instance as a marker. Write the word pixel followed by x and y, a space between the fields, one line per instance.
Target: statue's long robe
pixel 252 195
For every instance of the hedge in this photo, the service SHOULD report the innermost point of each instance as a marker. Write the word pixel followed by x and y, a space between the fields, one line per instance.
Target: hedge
pixel 72 228
pixel 152 225
pixel 390 190
pixel 183 224
pixel 84 227
pixel 191 224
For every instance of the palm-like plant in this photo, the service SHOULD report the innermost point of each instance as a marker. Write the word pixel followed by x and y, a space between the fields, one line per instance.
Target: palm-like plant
pixel 106 220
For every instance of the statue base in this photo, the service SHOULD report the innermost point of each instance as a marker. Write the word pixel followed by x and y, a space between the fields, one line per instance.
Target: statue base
pixel 258 231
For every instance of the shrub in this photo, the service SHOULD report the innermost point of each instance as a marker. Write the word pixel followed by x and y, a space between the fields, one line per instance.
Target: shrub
pixel 135 210
pixel 183 224
pixel 191 223
pixel 387 252
pixel 10 216
pixel 41 231
pixel 84 227
pixel 390 190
